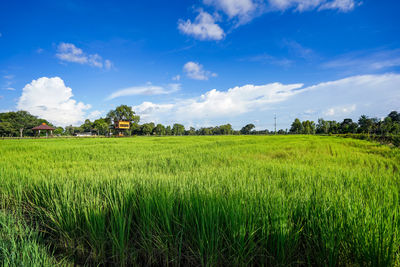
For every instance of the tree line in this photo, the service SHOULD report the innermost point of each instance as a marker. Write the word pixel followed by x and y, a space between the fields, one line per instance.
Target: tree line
pixel 20 123
pixel 389 125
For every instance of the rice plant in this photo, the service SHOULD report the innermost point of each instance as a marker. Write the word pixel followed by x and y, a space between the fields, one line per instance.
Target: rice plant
pixel 208 201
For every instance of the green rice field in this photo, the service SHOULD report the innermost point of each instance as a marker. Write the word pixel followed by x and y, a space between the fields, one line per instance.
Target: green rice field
pixel 199 201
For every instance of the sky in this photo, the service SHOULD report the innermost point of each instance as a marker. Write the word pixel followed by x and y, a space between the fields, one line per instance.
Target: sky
pixel 201 63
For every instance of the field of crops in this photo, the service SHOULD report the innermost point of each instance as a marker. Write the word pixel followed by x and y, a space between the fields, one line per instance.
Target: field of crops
pixel 214 201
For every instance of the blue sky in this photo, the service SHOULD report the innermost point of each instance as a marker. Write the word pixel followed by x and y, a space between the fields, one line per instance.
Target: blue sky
pixel 201 63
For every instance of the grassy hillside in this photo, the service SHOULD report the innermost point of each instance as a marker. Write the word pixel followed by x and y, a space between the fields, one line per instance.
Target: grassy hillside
pixel 221 200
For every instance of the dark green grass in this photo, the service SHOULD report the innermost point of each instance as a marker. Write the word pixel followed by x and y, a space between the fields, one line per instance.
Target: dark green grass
pixel 233 200
pixel 20 245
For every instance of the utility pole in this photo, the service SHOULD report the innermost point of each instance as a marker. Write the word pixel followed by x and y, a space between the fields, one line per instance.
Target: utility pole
pixel 275 123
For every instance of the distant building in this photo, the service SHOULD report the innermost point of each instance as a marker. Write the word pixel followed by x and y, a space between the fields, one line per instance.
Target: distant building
pixel 86 134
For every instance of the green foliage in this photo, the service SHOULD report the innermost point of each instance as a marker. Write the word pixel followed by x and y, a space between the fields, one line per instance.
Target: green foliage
pixel 209 200
pixel 178 129
pixel 247 129
pixel 19 123
pixel 123 113
pixel 297 127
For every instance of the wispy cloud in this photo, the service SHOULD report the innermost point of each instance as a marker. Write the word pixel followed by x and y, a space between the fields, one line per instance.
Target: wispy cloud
pixel 366 60
pixel 148 89
pixel 268 59
pixel 70 53
pixel 9 81
pixel 308 5
pixel 239 12
pixel 298 50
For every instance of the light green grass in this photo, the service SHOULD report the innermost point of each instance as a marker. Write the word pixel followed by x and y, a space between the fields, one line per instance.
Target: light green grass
pixel 222 200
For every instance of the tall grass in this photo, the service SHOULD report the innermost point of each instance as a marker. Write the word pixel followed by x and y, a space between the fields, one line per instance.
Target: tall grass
pixel 222 200
pixel 20 244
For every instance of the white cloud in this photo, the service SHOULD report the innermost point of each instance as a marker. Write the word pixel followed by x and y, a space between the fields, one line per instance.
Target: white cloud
pixel 307 5
pixel 243 10
pixel 373 95
pixel 342 5
pixel 150 112
pixel 203 27
pixel 148 89
pixel 214 103
pixel 95 114
pixel 70 53
pixel 196 71
pixel 9 88
pixel 340 110
pixel 50 99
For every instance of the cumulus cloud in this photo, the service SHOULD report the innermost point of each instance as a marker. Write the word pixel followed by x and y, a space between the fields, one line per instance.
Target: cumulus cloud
pixel 70 53
pixel 51 99
pixel 148 89
pixel 196 71
pixel 203 27
pixel 374 95
pixel 214 103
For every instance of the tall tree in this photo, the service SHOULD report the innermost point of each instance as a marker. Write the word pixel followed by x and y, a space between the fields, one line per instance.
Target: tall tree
pixel 296 127
pixel 123 113
pixel 160 129
pixel 178 129
pixel 322 126
pixel 365 124
pixel 101 126
pixel 247 129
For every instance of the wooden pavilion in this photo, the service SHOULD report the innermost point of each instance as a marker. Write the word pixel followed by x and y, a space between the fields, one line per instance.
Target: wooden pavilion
pixel 43 127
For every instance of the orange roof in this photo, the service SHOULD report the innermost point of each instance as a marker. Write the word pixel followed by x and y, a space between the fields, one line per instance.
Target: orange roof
pixel 43 126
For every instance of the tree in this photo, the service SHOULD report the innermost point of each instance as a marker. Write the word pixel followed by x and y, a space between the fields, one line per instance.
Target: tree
pixel 178 129
pixel 123 113
pixel 58 131
pixel 247 129
pixel 226 129
pixel 168 130
pixel 191 131
pixel 22 122
pixel 348 126
pixel 308 127
pixel 160 129
pixel 395 116
pixel 87 126
pixel 322 126
pixel 205 131
pixel 296 127
pixel 365 124
pixel 101 126
pixel 148 128
pixel 6 129
pixel 387 125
